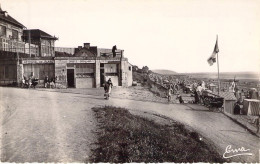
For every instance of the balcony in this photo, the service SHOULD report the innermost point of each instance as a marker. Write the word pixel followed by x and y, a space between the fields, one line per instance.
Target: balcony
pixel 13 45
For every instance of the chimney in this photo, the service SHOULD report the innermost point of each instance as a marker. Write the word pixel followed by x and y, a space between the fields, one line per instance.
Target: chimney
pixel 86 45
pixel 6 13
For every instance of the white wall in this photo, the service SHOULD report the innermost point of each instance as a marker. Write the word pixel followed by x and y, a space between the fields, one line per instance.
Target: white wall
pixel 114 79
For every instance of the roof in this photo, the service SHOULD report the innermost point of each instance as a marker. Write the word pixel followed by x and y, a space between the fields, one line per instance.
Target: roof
pixel 84 52
pixel 212 85
pixel 63 54
pixel 6 17
pixel 227 95
pixel 37 33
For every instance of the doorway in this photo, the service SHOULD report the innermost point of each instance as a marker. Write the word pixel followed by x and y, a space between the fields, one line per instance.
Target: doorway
pixel 70 78
pixel 102 74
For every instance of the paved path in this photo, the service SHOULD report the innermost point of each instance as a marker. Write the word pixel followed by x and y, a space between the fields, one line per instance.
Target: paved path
pixel 58 127
pixel 215 127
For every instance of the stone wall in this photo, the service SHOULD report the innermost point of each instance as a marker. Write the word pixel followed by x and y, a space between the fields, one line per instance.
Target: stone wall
pixel 157 89
pixel 61 73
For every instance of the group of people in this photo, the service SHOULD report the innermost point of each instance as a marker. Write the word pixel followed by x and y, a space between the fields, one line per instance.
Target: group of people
pixel 196 88
pixel 174 89
pixel 33 81
pixel 29 82
pixel 50 83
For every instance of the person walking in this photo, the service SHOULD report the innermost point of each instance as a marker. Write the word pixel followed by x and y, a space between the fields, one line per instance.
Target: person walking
pixel 106 90
pixel 199 92
pixel 110 85
pixel 169 93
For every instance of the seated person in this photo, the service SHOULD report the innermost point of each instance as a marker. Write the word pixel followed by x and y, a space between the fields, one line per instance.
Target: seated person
pixel 237 108
pixel 34 82
pixel 30 81
pixel 52 83
pixel 23 81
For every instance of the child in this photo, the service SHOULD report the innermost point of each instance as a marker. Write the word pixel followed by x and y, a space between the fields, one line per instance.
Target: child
pixel 180 99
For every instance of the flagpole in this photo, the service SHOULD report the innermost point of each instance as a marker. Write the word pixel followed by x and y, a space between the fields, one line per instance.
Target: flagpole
pixel 212 59
pixel 218 75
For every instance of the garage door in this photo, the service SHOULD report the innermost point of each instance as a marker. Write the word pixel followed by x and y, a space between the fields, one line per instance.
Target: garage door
pixel 84 82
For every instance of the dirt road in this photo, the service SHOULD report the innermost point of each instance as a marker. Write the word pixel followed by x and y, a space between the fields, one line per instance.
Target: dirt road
pixel 43 126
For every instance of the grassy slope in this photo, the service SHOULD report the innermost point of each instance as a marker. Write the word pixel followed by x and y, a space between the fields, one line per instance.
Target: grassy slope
pixel 123 137
pixel 138 77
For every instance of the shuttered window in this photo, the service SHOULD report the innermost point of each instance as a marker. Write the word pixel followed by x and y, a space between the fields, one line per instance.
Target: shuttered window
pixel 2 71
pixel 8 72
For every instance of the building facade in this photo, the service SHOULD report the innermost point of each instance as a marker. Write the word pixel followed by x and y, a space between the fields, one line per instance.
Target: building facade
pixel 10 41
pixel 90 67
pixel 43 41
pixel 31 53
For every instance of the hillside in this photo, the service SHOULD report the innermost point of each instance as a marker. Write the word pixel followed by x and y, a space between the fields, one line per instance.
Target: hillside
pixel 164 72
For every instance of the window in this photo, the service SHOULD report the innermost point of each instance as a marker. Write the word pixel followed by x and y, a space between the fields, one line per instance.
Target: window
pixel 14 34
pixel 9 72
pixel 110 68
pixel 2 30
pixel 129 68
pixel 2 71
pixel 84 68
pixel 6 72
pixel 45 51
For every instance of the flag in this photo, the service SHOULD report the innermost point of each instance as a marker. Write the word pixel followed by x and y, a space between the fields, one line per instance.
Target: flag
pixel 212 59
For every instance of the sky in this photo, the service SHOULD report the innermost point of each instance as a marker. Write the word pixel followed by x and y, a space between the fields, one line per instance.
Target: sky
pixel 177 35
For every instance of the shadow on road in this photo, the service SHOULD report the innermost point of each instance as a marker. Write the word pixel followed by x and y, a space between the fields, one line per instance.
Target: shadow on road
pixel 87 96
pixel 235 131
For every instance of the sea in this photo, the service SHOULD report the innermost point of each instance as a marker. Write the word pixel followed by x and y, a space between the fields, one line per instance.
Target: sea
pixel 254 76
